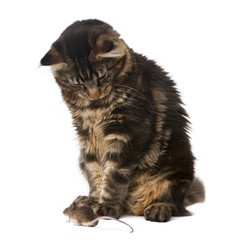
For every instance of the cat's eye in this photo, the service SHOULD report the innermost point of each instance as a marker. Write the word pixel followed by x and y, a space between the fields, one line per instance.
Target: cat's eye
pixel 75 83
pixel 78 84
pixel 102 76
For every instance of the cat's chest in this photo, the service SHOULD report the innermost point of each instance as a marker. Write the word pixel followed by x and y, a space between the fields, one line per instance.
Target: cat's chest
pixel 92 125
pixel 93 118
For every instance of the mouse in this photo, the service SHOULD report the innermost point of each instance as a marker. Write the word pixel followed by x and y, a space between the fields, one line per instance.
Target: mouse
pixel 85 216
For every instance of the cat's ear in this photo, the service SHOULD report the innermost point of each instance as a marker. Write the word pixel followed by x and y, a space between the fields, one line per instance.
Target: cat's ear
pixel 52 57
pixel 110 47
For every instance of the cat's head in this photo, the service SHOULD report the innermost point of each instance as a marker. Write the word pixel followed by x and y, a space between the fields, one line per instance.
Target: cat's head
pixel 88 58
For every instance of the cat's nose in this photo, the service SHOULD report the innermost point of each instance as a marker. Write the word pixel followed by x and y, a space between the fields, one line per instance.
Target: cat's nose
pixel 93 91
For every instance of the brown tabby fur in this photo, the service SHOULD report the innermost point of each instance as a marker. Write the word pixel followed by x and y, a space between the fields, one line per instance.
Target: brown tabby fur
pixel 132 128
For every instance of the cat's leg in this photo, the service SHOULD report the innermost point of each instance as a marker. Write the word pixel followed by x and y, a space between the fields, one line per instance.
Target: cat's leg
pixel 157 197
pixel 108 179
pixel 92 171
pixel 161 206
pixel 118 163
pixel 169 203
pixel 115 184
pixel 150 196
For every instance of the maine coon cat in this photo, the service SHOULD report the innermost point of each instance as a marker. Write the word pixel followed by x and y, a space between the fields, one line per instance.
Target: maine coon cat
pixel 132 128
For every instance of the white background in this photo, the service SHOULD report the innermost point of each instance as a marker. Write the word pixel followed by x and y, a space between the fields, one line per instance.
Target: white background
pixel 39 173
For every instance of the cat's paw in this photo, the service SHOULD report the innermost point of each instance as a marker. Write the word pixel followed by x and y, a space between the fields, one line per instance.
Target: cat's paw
pixel 105 210
pixel 158 212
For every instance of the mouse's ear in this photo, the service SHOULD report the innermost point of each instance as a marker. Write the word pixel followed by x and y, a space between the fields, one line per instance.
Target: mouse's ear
pixel 52 57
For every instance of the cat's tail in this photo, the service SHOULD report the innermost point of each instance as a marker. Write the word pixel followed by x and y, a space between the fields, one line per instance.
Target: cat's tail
pixel 196 193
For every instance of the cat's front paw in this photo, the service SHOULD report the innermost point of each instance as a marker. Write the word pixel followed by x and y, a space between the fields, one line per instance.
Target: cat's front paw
pixel 105 210
pixel 158 212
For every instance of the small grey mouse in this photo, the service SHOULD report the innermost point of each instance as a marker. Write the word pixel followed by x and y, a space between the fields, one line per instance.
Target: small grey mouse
pixel 85 216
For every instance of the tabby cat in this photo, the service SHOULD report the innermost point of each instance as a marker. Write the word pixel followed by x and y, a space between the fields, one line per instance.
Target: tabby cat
pixel 132 128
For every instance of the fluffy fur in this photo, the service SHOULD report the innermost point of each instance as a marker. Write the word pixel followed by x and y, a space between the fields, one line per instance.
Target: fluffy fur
pixel 133 130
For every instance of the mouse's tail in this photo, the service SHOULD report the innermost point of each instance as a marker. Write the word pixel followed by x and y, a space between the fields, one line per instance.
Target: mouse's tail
pixel 196 193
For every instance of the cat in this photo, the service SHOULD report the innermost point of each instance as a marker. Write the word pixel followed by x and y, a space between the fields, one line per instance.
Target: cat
pixel 132 127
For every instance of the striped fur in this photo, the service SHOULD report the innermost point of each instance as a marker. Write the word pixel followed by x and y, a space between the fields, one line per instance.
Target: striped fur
pixel 132 128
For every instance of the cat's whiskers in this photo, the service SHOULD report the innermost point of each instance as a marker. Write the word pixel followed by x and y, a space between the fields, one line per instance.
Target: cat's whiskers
pixel 120 98
pixel 135 90
pixel 125 98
